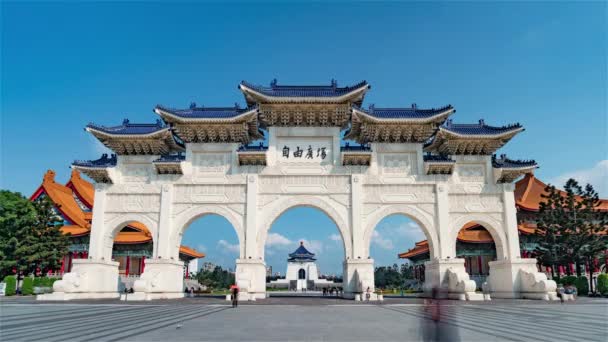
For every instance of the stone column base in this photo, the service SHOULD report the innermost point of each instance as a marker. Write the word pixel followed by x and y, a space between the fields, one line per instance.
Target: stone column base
pixel 250 277
pixel 358 275
pixel 151 296
pixel 519 279
pixel 450 279
pixel 89 279
pixel 162 279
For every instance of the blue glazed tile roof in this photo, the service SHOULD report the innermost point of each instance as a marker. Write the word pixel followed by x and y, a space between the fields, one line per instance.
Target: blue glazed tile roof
pixel 357 148
pixel 128 128
pixel 301 254
pixel 405 113
pixel 506 163
pixel 102 162
pixel 253 148
pixel 195 112
pixel 171 158
pixel 331 90
pixel 479 129
pixel 437 158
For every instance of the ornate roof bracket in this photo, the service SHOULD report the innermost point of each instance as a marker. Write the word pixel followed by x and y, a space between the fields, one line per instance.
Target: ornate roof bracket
pixel 252 155
pixel 356 155
pixel 508 170
pixel 470 139
pixel 396 125
pixel 137 139
pixel 438 165
pixel 97 170
pixel 169 164
pixel 213 124
pixel 276 93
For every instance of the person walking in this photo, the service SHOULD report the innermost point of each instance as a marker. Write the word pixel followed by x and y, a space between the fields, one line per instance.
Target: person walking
pixel 235 296
pixel 368 294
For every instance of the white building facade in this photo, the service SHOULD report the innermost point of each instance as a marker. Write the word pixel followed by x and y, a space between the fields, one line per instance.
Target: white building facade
pixel 324 151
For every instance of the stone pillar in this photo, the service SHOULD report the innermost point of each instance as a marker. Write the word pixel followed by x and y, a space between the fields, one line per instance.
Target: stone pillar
pixel 251 279
pixel 164 247
pixel 251 218
pixel 98 241
pixel 511 250
pixel 162 279
pixel 446 247
pixel 357 229
pixel 358 275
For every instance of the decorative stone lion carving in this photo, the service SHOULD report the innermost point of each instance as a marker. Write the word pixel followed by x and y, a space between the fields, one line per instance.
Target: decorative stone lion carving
pixel 460 286
pixel 535 285
pixel 69 283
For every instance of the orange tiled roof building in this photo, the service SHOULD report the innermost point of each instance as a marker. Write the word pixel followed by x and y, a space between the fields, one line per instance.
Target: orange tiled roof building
pixel 74 203
pixel 475 244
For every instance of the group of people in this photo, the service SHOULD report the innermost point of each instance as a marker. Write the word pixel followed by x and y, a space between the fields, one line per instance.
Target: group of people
pixel 330 291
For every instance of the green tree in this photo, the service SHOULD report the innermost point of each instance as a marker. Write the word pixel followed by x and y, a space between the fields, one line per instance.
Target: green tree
pixel 42 245
pixel 569 225
pixel 16 214
pixel 216 279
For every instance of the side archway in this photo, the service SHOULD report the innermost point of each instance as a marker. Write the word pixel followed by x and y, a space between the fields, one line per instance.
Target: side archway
pixel 115 225
pixel 183 221
pixel 493 227
pixel 407 210
pixel 272 213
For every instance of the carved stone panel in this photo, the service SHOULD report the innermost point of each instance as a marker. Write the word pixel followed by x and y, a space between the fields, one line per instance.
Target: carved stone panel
pixel 133 203
pixel 399 193
pixel 212 193
pixel 475 203
pixel 210 162
pixel 304 184
pixel 471 173
pixel 398 163
pixel 135 173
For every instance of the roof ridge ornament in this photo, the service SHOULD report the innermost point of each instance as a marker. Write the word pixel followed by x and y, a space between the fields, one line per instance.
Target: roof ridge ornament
pixel 334 83
pixel 192 105
pixel 273 83
pixel 125 122
pixel 371 108
pixel 482 122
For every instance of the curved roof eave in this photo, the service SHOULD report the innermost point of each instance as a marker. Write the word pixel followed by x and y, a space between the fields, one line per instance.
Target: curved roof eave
pixel 312 99
pixel 433 118
pixel 181 119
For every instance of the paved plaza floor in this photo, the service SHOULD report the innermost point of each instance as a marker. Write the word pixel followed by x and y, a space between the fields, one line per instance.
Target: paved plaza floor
pixel 299 319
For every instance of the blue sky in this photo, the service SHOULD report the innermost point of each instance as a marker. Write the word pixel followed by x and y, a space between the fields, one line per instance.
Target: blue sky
pixel 540 64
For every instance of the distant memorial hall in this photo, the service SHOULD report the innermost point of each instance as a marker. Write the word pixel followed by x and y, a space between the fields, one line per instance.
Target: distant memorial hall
pixel 302 273
pixel 312 146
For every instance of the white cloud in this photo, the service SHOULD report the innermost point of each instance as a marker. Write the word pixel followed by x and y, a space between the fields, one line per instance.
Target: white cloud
pixel 596 176
pixel 227 246
pixel 277 240
pixel 335 237
pixel 201 248
pixel 408 230
pixel 381 241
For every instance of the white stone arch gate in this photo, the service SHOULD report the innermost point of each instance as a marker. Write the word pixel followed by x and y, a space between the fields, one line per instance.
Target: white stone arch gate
pixel 452 180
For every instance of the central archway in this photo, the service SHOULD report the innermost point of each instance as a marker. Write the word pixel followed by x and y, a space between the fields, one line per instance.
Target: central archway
pixel 328 207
